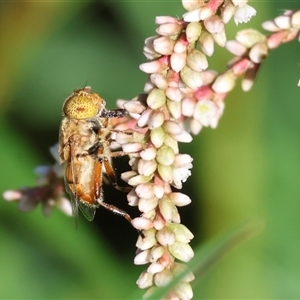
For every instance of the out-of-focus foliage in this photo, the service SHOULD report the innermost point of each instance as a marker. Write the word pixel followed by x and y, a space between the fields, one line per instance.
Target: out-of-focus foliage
pixel 248 168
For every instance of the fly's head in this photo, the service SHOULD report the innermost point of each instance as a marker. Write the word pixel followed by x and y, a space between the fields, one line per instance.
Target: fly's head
pixel 82 105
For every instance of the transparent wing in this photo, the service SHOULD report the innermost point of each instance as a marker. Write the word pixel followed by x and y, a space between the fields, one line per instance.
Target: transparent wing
pixel 87 211
pixel 73 200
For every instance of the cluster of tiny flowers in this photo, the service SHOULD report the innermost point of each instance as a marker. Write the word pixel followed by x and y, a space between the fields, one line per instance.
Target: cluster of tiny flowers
pixel 181 96
pixel 156 166
pixel 49 190
pixel 179 67
pixel 251 47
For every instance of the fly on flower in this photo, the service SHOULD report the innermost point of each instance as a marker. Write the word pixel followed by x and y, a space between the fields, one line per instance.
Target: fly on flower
pixel 84 148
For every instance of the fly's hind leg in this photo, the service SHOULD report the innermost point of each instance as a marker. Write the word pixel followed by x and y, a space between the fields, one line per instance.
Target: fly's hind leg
pixel 120 213
pixel 116 210
pixel 113 179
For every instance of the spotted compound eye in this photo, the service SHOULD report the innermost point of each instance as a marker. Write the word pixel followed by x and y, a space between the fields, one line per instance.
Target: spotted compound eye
pixel 80 107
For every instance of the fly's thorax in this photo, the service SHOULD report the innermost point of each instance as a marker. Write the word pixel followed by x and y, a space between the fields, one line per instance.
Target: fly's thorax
pixel 76 136
pixel 82 105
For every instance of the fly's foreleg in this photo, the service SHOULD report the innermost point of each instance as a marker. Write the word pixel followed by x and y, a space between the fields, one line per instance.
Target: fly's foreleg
pixel 115 113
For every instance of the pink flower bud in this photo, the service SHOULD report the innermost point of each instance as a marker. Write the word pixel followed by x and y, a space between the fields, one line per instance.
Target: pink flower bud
pixel 147 205
pixel 169 29
pixel 145 280
pixel 197 61
pixel 156 120
pixel 208 76
pixel 180 199
pixel 159 20
pixel 227 12
pixel 156 99
pixel 283 22
pixel 159 80
pixel 183 137
pixel 142 258
pixel 148 153
pixel 142 224
pixel 158 191
pixel 249 37
pixel 12 195
pixel 169 141
pixel 156 253
pixel 165 156
pixel 214 24
pixel 188 106
pixel 192 16
pixel 191 78
pixel 275 39
pixel 148 241
pixel 178 61
pixel 132 147
pixel 220 38
pixel 193 31
pixel 163 278
pixel 172 127
pixel 190 5
pixel 224 83
pixel 134 181
pixel 207 43
pixel 181 251
pixel 184 290
pixel 157 137
pixel 174 94
pixel 126 176
pixel 169 210
pixel 165 172
pixel 165 236
pixel 135 107
pixel 149 86
pixel 155 267
pixel 152 67
pixel 144 118
pixel 163 45
pixel 182 233
pixel 258 52
pixel 236 48
pixel 174 108
pixel 146 168
pixel 270 26
pixel 181 45
pixel 182 160
pixel 144 190
pixel 132 198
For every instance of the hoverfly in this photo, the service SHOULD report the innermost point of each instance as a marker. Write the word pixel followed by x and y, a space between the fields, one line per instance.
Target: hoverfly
pixel 84 149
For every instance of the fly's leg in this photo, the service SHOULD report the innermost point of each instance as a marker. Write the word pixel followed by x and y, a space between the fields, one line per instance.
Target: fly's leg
pixel 120 213
pixel 112 176
pixel 116 210
pixel 113 179
pixel 115 113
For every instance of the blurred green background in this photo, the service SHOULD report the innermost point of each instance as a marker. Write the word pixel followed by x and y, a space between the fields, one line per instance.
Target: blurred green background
pixel 246 169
